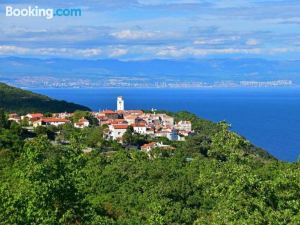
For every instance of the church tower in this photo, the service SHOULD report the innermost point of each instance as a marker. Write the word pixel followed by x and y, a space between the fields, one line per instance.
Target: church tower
pixel 120 103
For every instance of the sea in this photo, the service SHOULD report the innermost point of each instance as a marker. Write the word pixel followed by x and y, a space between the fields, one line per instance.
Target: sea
pixel 268 117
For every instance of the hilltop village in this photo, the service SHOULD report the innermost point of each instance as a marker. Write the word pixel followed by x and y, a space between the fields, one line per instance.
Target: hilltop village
pixel 117 121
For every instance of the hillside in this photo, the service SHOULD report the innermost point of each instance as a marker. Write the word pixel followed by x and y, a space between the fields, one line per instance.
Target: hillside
pixel 214 177
pixel 17 100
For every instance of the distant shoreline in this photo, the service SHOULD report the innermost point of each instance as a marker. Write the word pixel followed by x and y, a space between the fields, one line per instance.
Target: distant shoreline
pixel 175 88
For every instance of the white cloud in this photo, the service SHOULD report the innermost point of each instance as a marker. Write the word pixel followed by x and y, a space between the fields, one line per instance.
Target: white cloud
pixel 215 41
pixel 252 42
pixel 68 52
pixel 138 52
pixel 173 51
pixel 8 49
pixel 134 35
pixel 118 52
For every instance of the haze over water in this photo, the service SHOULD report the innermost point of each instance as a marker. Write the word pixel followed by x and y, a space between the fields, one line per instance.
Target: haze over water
pixel 268 117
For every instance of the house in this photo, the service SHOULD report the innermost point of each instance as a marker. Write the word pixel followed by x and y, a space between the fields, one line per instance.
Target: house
pixel 173 135
pixel 110 114
pixel 102 119
pixel 64 115
pixel 184 133
pixel 148 147
pixel 50 121
pixel 32 117
pixel 117 131
pixel 150 131
pixel 170 134
pixel 117 121
pixel 14 117
pixel 82 123
pixel 135 112
pixel 184 126
pixel 166 120
pixel 130 118
pixel 140 128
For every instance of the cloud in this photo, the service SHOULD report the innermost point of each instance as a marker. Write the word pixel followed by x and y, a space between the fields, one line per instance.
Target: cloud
pixel 142 52
pixel 173 51
pixel 118 52
pixel 216 41
pixel 156 28
pixel 252 42
pixel 6 49
pixel 66 52
pixel 134 35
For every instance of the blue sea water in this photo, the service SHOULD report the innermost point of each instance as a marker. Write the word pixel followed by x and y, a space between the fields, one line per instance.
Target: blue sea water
pixel 268 117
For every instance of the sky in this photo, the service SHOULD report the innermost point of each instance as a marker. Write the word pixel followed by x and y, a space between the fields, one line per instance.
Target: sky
pixel 155 29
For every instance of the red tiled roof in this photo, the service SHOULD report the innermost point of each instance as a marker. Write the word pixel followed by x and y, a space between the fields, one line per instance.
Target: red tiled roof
pixel 35 115
pixel 151 144
pixel 109 112
pixel 129 116
pixel 53 120
pixel 82 120
pixel 102 118
pixel 120 126
pixel 117 120
pixel 135 111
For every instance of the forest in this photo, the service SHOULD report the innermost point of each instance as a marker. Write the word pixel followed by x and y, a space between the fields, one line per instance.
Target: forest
pixel 18 100
pixel 214 177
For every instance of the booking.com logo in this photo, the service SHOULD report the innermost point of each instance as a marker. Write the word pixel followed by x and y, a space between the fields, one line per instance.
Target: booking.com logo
pixel 35 11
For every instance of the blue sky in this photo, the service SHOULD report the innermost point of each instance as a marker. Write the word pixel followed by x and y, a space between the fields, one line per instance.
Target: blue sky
pixel 155 29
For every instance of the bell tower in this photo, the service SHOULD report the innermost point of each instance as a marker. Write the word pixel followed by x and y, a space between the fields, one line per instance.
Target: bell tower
pixel 120 103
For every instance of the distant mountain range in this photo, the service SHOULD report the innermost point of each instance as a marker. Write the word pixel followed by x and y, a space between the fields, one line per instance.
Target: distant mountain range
pixel 32 72
pixel 17 100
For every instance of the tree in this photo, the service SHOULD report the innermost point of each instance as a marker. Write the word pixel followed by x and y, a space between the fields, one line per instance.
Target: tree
pixel 128 135
pixel 94 137
pixel 227 145
pixel 78 114
pixel 216 177
pixel 3 119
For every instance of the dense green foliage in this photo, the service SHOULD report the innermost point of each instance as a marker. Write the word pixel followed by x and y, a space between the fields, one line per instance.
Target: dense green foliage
pixel 17 100
pixel 215 177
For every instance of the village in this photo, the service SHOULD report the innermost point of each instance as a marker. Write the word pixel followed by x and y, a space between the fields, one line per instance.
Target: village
pixel 118 121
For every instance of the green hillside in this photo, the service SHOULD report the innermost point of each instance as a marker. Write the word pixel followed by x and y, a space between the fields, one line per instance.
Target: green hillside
pixel 215 177
pixel 17 100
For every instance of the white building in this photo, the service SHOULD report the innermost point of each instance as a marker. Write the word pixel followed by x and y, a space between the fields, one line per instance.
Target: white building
pixel 120 103
pixel 14 117
pixel 140 128
pixel 50 121
pixel 167 120
pixel 117 130
pixel 171 135
pixel 150 146
pixel 184 126
pixel 82 123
